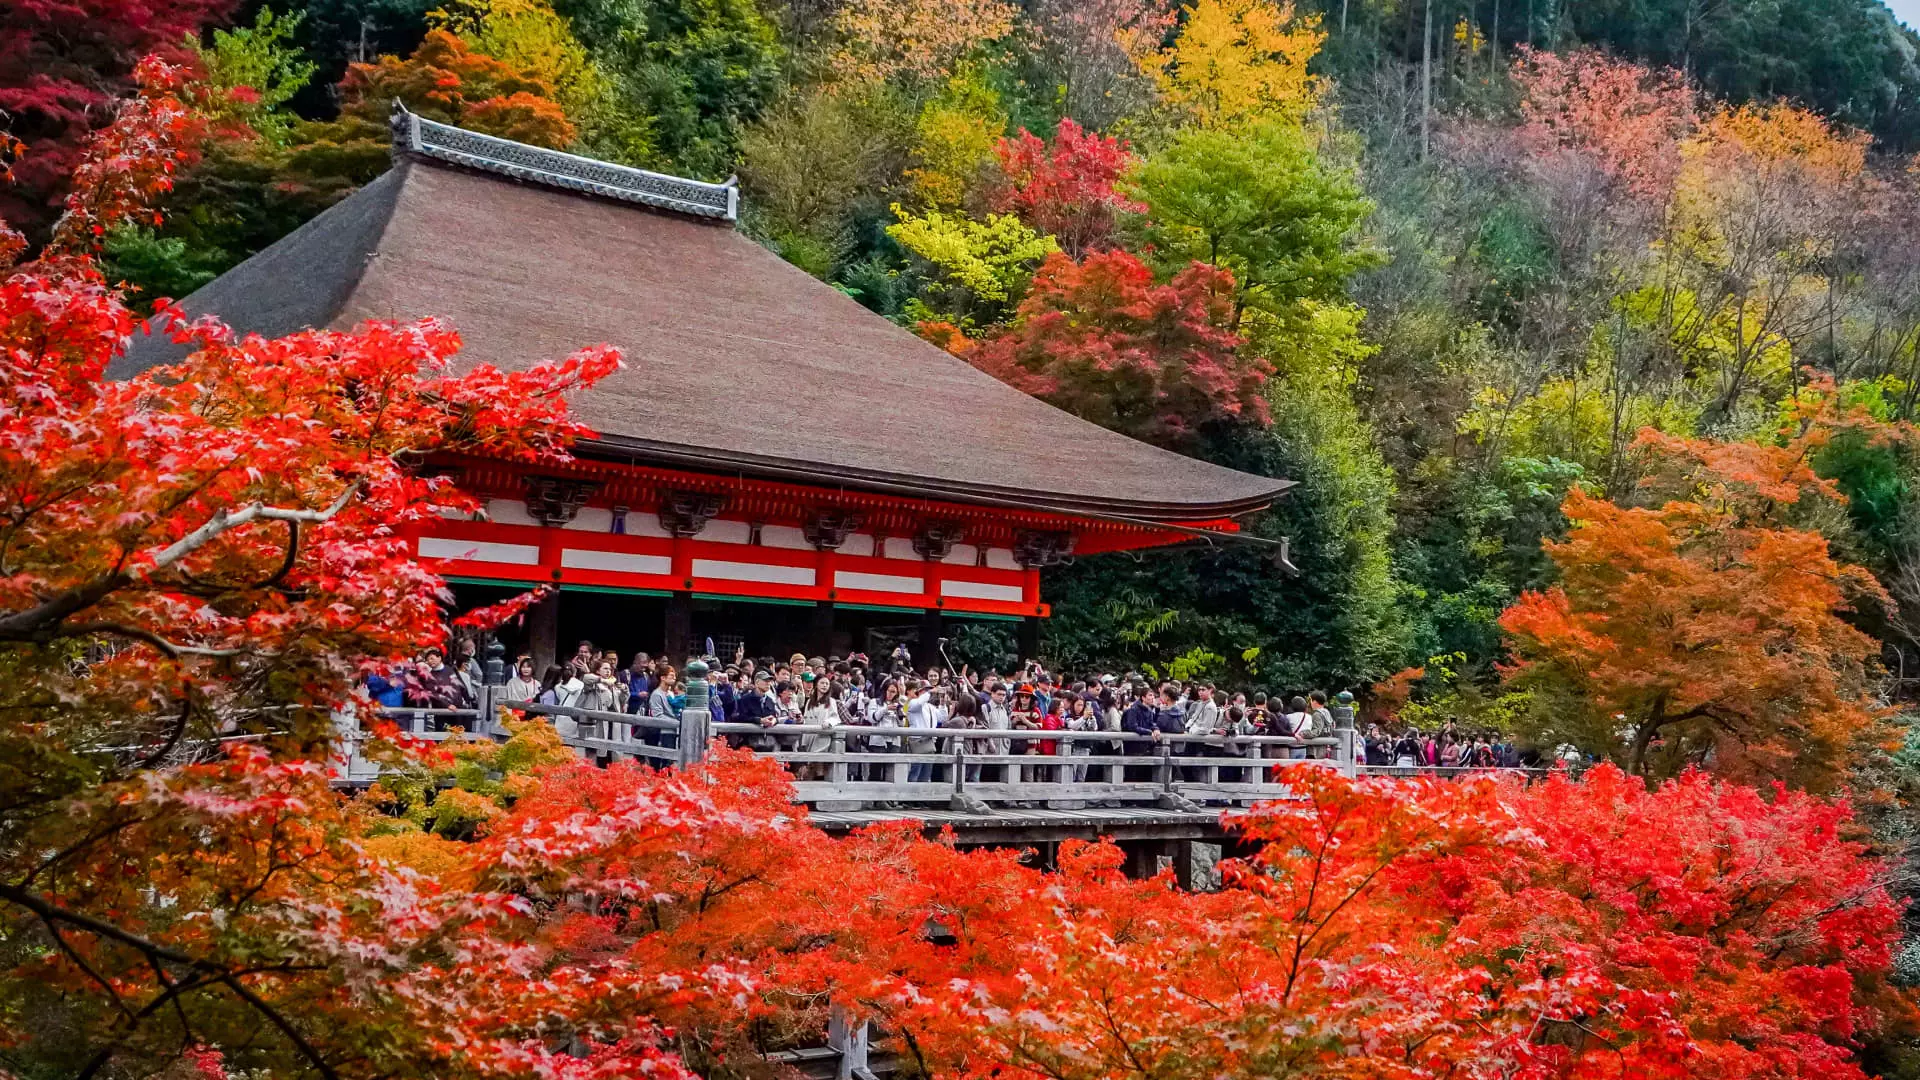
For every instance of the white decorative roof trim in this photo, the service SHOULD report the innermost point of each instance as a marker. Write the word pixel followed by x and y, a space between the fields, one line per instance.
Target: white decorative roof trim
pixel 554 168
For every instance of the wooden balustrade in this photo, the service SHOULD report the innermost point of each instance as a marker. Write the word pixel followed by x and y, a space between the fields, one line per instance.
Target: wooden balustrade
pixel 849 766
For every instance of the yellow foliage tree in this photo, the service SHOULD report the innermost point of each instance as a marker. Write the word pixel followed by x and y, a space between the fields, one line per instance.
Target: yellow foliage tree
pixel 1764 201
pixel 1239 60
pixel 975 266
pixel 954 139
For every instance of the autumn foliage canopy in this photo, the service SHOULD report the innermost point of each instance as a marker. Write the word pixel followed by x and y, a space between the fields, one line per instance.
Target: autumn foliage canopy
pixel 197 559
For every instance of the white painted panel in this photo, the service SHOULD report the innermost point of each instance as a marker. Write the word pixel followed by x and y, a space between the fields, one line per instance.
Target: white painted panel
pixel 851 579
pixel 788 537
pixel 1002 559
pixel 434 547
pixel 741 571
pixel 858 544
pixel 645 525
pixel 727 532
pixel 982 590
pixel 452 514
pixel 509 512
pixel 592 519
pixel 899 547
pixel 962 555
pixel 617 561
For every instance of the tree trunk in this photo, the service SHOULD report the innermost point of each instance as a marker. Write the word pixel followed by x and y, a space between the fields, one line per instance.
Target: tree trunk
pixel 1642 738
pixel 1426 83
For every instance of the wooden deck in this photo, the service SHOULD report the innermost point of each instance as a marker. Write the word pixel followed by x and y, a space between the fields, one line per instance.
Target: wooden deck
pixel 1009 825
pixel 1134 789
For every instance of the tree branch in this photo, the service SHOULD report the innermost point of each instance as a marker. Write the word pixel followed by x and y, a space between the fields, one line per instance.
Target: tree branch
pixel 173 649
pixel 223 521
pixel 49 912
pixel 35 621
pixel 173 738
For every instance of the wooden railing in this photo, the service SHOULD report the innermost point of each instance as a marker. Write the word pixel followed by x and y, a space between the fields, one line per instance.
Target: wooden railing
pixel 848 767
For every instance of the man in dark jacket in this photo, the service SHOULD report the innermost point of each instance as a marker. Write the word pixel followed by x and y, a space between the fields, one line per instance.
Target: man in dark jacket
pixel 756 706
pixel 1139 719
pixel 435 684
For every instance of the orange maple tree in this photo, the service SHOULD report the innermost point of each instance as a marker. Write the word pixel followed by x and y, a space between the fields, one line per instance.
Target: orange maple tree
pixel 1706 626
pixel 445 80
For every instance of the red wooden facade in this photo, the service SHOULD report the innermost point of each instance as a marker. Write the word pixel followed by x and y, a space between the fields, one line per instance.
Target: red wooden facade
pixel 651 529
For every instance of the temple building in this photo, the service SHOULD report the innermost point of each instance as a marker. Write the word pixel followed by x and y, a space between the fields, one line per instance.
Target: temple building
pixel 776 465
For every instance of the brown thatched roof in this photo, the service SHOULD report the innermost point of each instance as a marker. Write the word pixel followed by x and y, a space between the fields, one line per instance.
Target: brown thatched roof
pixel 736 360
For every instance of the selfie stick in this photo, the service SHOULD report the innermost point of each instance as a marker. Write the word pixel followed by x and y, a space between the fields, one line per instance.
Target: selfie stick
pixel 941 644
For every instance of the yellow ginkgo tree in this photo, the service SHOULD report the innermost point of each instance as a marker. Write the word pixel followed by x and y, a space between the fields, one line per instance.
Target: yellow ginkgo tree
pixel 1240 60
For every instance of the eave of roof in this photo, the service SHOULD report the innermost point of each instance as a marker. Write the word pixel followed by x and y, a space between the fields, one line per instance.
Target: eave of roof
pixel 622 448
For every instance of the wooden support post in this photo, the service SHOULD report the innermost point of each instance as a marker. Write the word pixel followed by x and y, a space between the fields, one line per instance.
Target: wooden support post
pixel 486 720
pixel 850 1040
pixel 543 632
pixel 1196 865
pixel 1169 798
pixel 695 730
pixel 679 628
pixel 820 629
pixel 1145 858
pixel 961 800
pixel 837 745
pixel 928 653
pixel 1030 638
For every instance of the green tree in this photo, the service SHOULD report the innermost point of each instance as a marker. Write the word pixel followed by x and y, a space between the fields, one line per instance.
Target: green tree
pixel 1261 202
pixel 1340 622
pixel 255 71
pixel 812 163
pixel 701 71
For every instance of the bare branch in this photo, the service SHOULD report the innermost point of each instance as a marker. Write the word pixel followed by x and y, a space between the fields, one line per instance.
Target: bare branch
pixel 35 621
pixel 223 521
pixel 173 649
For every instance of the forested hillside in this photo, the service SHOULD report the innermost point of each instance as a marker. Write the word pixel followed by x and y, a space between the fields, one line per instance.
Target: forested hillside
pixel 1635 280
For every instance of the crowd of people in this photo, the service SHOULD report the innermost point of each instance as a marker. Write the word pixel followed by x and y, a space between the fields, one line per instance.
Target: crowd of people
pixel 1191 718
pixel 1447 748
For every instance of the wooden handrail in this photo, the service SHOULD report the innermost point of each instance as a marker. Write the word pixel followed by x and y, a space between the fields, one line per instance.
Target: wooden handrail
pixel 1022 734
pixel 855 764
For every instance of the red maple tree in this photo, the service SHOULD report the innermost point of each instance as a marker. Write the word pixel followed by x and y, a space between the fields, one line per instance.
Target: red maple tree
pixel 198 557
pixel 1066 187
pixel 63 69
pixel 1100 339
pixel 1412 929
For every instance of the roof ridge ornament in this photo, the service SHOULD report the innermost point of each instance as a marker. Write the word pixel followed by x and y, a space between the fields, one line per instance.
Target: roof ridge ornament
pixel 416 135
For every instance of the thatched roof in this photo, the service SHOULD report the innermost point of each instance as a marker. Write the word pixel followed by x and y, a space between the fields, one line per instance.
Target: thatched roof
pixel 736 361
